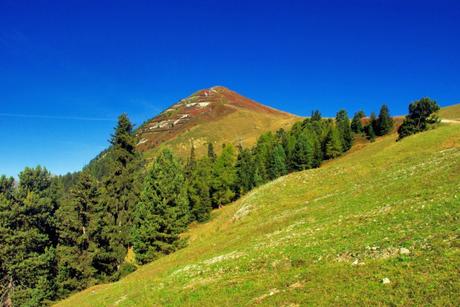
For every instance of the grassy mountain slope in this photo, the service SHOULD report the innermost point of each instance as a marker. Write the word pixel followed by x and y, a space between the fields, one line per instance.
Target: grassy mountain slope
pixel 326 236
pixel 216 115
pixel 450 112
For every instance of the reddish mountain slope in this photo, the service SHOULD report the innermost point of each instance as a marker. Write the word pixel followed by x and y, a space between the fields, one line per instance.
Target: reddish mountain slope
pixel 216 115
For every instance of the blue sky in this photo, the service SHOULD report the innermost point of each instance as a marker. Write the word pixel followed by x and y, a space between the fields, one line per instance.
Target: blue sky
pixel 68 68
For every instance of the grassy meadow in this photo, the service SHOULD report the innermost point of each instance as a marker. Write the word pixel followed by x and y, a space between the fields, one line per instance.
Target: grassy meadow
pixel 378 226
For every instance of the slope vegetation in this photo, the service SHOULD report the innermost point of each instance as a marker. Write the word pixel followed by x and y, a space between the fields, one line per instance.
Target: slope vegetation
pixel 450 112
pixel 217 115
pixel 377 226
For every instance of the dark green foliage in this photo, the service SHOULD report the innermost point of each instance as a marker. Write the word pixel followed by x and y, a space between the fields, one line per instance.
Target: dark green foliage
pixel 198 174
pixel 56 243
pixel 163 211
pixel 76 247
pixel 422 115
pixel 344 128
pixel 356 122
pixel 211 153
pixel 333 144
pixel 277 162
pixel 120 193
pixel 370 133
pixel 303 152
pixel 371 127
pixel 384 121
pixel 68 180
pixel 28 236
pixel 315 116
pixel 224 177
pixel 245 168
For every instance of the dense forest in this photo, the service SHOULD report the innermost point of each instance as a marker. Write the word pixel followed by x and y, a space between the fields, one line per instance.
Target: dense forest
pixel 61 234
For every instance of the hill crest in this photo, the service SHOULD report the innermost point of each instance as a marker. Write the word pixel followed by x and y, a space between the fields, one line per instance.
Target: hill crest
pixel 216 105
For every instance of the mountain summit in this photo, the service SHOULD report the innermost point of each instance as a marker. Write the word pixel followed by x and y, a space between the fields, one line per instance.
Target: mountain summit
pixel 217 115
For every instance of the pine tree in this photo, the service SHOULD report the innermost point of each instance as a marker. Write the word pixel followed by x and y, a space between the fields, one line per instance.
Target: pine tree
pixel 356 123
pixel 119 195
pixel 370 133
pixel 384 121
pixel 163 212
pixel 28 230
pixel 315 116
pixel 422 115
pixel 224 177
pixel 344 128
pixel 211 153
pixel 333 145
pixel 75 250
pixel 303 152
pixel 198 176
pixel 277 162
pixel 262 150
pixel 245 170
pixel 373 122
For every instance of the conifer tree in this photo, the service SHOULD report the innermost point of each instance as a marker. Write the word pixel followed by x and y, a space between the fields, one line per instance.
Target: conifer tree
pixel 245 169
pixel 119 195
pixel 163 211
pixel 75 250
pixel 262 151
pixel 422 115
pixel 370 133
pixel 224 177
pixel 315 116
pixel 198 175
pixel 384 121
pixel 277 162
pixel 28 250
pixel 303 152
pixel 333 145
pixel 373 122
pixel 344 128
pixel 356 123
pixel 211 153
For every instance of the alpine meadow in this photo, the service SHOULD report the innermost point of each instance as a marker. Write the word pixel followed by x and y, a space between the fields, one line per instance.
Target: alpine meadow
pixel 136 171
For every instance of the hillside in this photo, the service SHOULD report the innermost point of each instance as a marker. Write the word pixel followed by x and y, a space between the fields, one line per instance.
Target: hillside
pixel 451 112
pixel 377 226
pixel 216 115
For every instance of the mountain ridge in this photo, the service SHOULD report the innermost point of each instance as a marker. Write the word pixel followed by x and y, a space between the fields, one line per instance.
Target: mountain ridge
pixel 238 118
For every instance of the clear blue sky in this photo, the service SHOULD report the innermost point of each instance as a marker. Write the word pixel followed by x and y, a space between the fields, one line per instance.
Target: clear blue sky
pixel 68 68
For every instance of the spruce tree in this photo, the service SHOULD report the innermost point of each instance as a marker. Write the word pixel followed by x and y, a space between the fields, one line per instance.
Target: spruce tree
pixel 245 170
pixel 262 151
pixel 370 133
pixel 198 176
pixel 356 123
pixel 344 128
pixel 28 230
pixel 277 162
pixel 211 153
pixel 303 152
pixel 76 247
pixel 384 121
pixel 315 116
pixel 119 195
pixel 333 145
pixel 224 177
pixel 163 211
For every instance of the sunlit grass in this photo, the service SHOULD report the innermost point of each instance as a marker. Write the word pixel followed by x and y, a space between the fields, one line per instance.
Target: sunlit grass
pixel 327 236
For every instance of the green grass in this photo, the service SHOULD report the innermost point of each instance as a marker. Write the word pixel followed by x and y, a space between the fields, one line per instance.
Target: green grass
pixel 450 112
pixel 322 237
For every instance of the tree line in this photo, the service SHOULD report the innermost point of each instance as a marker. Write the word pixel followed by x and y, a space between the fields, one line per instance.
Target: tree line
pixel 61 234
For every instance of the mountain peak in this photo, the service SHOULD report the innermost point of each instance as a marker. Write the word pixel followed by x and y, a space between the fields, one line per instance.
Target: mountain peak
pixel 232 116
